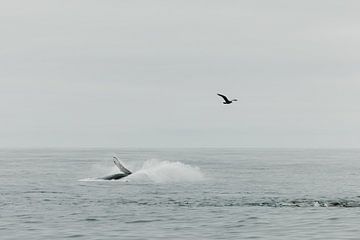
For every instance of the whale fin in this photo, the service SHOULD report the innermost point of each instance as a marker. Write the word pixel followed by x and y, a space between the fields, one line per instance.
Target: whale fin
pixel 120 166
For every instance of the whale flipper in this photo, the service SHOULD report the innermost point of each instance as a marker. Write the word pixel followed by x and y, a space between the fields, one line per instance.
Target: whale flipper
pixel 124 171
pixel 120 166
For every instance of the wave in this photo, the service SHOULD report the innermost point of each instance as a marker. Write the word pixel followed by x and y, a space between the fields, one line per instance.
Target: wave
pixel 345 203
pixel 195 203
pixel 278 203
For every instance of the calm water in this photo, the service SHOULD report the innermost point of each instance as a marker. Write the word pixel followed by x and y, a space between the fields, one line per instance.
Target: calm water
pixel 180 194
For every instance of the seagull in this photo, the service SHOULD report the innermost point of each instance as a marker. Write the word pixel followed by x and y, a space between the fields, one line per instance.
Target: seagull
pixel 227 101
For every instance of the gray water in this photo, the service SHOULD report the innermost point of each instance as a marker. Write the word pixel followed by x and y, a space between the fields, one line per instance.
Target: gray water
pixel 180 194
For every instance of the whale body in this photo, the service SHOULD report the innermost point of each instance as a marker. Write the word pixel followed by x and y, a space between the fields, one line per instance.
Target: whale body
pixel 115 176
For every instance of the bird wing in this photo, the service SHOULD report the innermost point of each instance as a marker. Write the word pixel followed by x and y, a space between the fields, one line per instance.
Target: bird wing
pixel 224 97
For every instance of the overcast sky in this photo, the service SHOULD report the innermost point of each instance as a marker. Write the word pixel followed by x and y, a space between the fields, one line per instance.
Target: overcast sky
pixel 146 73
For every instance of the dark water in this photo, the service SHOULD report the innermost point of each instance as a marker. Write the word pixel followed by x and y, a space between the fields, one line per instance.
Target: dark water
pixel 180 194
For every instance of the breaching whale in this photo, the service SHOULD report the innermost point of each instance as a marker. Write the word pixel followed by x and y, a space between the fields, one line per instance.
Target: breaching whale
pixel 124 171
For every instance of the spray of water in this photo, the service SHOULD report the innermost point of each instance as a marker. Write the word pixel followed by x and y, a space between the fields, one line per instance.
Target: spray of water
pixel 166 172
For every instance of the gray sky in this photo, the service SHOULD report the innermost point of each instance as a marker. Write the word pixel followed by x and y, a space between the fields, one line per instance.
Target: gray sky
pixel 146 73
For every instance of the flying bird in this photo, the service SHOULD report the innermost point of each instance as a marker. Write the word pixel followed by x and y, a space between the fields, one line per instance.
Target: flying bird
pixel 226 100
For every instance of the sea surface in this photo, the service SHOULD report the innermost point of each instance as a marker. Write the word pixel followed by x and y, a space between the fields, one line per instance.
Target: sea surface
pixel 204 193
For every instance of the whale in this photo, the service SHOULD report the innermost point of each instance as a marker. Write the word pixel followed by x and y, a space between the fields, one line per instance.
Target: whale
pixel 115 176
pixel 124 172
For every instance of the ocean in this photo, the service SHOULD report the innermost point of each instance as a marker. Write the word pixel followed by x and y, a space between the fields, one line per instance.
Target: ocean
pixel 195 193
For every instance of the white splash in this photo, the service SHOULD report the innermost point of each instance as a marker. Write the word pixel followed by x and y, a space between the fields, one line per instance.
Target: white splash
pixel 166 172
